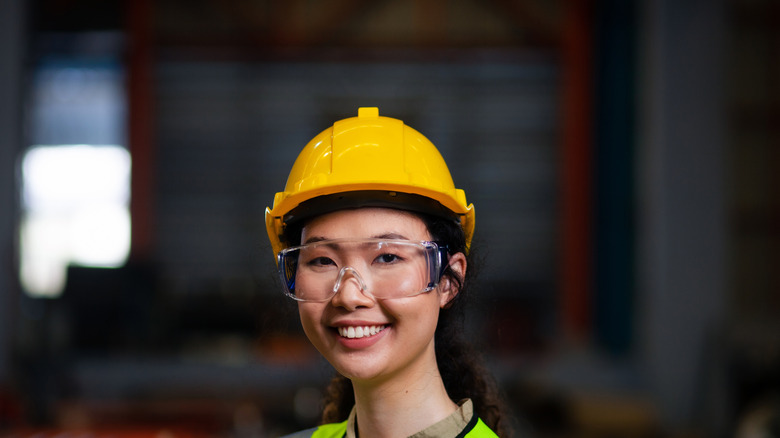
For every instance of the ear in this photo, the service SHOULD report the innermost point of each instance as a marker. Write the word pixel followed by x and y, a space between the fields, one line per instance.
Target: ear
pixel 448 289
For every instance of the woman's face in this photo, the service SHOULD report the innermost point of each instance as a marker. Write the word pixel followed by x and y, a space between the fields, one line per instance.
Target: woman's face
pixel 400 331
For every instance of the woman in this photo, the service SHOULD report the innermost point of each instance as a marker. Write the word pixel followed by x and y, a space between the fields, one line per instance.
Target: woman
pixel 371 238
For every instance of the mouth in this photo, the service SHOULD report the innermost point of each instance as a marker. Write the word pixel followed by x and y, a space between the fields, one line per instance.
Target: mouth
pixel 357 332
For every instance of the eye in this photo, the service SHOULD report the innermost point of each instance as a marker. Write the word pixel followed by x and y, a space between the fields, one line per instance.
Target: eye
pixel 320 261
pixel 387 258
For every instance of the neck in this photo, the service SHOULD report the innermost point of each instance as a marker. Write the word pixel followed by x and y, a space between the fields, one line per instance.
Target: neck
pixel 402 405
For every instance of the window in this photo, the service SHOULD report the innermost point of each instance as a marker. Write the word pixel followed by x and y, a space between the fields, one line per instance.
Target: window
pixel 76 173
pixel 75 203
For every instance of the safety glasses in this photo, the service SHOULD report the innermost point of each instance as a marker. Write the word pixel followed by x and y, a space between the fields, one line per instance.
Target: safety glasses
pixel 380 268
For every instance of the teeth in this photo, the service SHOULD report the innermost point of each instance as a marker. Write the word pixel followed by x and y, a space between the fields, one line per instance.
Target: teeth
pixel 360 332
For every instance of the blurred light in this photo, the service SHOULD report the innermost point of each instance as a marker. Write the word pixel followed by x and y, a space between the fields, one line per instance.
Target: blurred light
pixel 75 211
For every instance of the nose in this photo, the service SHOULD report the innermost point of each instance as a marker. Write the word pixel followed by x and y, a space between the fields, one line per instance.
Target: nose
pixel 350 297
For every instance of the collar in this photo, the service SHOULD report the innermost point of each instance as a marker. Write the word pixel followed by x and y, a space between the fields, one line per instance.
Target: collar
pixel 448 427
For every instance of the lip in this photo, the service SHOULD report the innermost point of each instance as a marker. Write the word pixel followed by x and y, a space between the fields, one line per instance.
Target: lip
pixel 359 343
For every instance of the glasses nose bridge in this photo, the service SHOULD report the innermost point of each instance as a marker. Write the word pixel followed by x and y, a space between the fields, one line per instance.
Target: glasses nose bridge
pixel 345 274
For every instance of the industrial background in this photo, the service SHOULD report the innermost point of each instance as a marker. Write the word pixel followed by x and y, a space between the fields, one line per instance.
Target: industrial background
pixel 623 158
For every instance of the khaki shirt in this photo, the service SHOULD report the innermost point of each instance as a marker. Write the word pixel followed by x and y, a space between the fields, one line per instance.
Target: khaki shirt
pixel 450 426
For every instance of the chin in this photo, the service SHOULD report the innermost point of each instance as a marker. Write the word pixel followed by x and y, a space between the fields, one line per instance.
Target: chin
pixel 357 369
pixel 358 375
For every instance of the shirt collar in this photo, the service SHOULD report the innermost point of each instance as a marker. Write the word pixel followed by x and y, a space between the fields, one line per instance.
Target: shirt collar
pixel 448 427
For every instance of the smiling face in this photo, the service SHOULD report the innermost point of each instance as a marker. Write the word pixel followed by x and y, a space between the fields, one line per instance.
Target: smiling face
pixel 364 338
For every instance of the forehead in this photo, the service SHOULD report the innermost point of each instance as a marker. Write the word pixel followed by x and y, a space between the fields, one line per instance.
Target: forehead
pixel 366 223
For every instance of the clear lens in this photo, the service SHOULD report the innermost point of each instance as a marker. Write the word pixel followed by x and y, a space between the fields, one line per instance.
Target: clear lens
pixel 387 268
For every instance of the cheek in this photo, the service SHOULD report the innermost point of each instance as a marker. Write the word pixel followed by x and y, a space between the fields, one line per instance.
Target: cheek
pixel 310 315
pixel 419 314
pixel 414 282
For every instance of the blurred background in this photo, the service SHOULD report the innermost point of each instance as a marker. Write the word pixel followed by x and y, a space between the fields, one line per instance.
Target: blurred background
pixel 622 156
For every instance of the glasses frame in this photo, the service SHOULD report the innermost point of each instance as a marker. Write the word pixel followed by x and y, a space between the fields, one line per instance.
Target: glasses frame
pixel 285 263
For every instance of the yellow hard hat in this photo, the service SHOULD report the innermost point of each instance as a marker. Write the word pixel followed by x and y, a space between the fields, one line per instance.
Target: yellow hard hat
pixel 368 160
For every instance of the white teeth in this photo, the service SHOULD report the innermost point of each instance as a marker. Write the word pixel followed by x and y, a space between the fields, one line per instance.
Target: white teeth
pixel 360 332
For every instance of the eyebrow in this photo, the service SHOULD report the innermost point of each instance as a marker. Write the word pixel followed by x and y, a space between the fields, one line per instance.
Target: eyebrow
pixel 395 236
pixel 314 239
